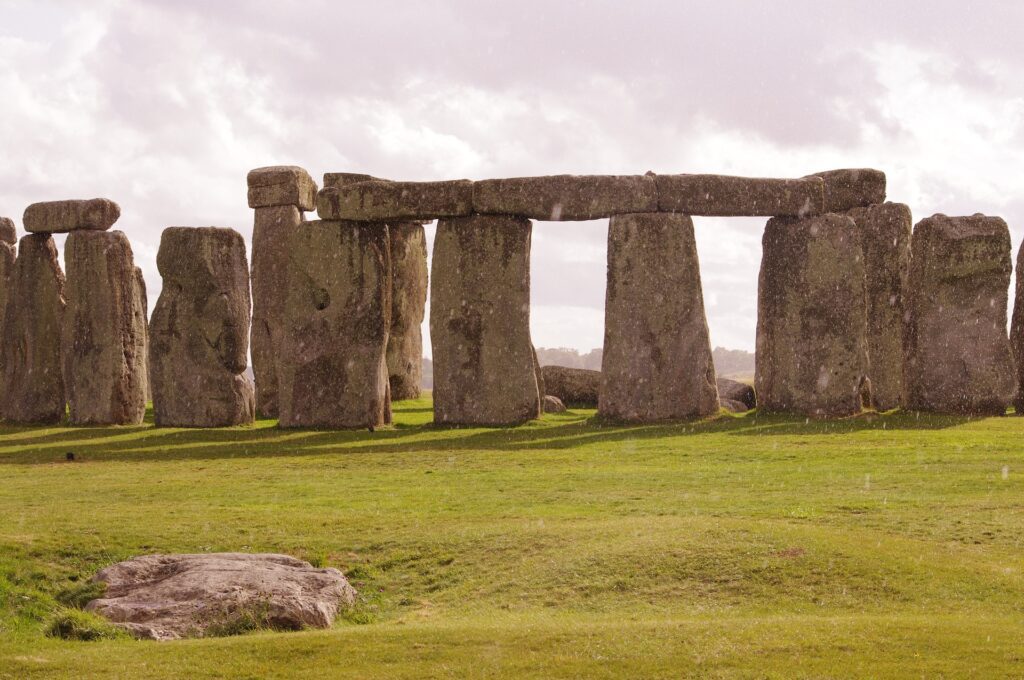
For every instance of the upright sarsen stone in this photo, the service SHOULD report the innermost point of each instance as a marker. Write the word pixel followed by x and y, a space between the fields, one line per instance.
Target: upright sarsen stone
pixel 408 301
pixel 812 354
pixel 484 372
pixel 8 253
pixel 657 352
pixel 958 356
pixel 8 233
pixel 104 337
pixel 199 333
pixel 1017 333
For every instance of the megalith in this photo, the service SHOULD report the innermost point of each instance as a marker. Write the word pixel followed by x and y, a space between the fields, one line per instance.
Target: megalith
pixel 812 353
pixel 332 371
pixel 278 195
pixel 484 369
pixel 8 233
pixel 199 333
pixel 657 352
pixel 60 217
pixel 1017 333
pixel 103 337
pixel 408 301
pixel 958 356
pixel 33 385
pixel 8 253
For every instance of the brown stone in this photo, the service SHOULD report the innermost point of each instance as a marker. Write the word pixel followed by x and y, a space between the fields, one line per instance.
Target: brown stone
pixel 958 356
pixel 566 197
pixel 33 385
pixel 484 371
pixel 574 386
pixel 408 302
pixel 721 195
pixel 281 185
pixel 332 372
pixel 736 391
pixel 657 353
pixel 1016 333
pixel 103 337
pixel 8 233
pixel 336 180
pixel 852 188
pixel 98 214
pixel 384 201
pixel 553 404
pixel 8 254
pixel 812 354
pixel 199 333
pixel 140 311
pixel 734 406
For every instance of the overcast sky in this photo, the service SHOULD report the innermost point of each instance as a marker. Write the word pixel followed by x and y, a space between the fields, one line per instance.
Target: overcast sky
pixel 164 107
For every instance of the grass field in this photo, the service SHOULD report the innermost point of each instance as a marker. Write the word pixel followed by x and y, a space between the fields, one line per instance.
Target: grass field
pixel 744 546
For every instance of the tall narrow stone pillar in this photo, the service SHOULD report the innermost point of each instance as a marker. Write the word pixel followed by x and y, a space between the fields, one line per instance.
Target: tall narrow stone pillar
pixel 199 333
pixel 812 353
pixel 657 353
pixel 409 299
pixel 484 371
pixel 279 195
pixel 1017 333
pixel 958 356
pixel 8 253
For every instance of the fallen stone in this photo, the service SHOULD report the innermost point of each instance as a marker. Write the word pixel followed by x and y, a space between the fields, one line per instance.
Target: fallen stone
pixel 721 195
pixel 98 214
pixel 553 404
pixel 958 358
pixel 104 336
pixel 657 353
pixel 384 201
pixel 281 185
pixel 199 333
pixel 737 391
pixel 852 188
pixel 812 354
pixel 408 302
pixel 167 597
pixel 333 372
pixel 484 369
pixel 574 386
pixel 566 197
pixel 734 406
pixel 8 233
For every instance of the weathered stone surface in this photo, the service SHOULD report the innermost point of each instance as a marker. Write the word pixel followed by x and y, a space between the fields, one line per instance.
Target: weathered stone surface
pixel 885 232
pixel 103 337
pixel 484 370
pixel 166 597
pixel 336 180
pixel 722 195
pixel 852 188
pixel 281 185
pixel 574 386
pixel 408 302
pixel 736 391
pixel 958 357
pixel 199 333
pixel 811 354
pixel 734 406
pixel 8 253
pixel 8 233
pixel 333 371
pixel 97 214
pixel 553 404
pixel 33 386
pixel 140 311
pixel 384 201
pixel 657 354
pixel 566 197
pixel 1016 333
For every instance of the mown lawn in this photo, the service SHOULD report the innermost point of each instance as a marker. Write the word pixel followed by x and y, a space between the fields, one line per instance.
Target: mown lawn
pixel 753 547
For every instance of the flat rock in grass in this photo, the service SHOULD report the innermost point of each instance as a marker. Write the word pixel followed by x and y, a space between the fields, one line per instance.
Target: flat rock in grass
pixel 575 386
pixel 733 406
pixel 722 195
pixel 852 188
pixel 384 201
pixel 8 233
pixel 166 597
pixel 566 197
pixel 736 391
pixel 98 214
pixel 281 185
pixel 553 404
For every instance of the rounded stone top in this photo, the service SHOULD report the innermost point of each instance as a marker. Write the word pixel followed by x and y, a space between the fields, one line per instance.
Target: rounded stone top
pixel 56 217
pixel 8 233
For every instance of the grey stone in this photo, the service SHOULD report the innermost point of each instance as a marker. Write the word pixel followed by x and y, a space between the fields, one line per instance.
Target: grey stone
pixel 721 195
pixel 97 214
pixel 281 185
pixel 852 188
pixel 1016 333
pixel 553 404
pixel 408 303
pixel 384 201
pixel 8 255
pixel 734 406
pixel 736 391
pixel 574 386
pixel 566 197
pixel 8 233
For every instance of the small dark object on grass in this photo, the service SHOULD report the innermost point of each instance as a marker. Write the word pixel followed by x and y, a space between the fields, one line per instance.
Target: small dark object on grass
pixel 70 456
pixel 370 428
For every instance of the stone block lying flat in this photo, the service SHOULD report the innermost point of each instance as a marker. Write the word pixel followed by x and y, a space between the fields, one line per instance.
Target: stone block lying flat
pixel 574 386
pixel 65 216
pixel 383 201
pixel 725 196
pixel 281 185
pixel 852 188
pixel 8 234
pixel 566 197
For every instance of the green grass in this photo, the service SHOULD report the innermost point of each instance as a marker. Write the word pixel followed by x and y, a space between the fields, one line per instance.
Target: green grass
pixel 741 547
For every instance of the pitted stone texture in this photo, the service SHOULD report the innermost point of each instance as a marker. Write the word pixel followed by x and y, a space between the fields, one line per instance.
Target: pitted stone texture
pixel 574 386
pixel 271 233
pixel 722 195
pixel 736 391
pixel 281 185
pixel 852 188
pixel 97 214
pixel 33 385
pixel 166 597
pixel 336 180
pixel 8 233
pixel 408 302
pixel 1017 333
pixel 812 354
pixel 199 333
pixel 657 353
pixel 484 368
pixel 140 312
pixel 885 232
pixel 104 337
pixel 566 197
pixel 333 371
pixel 384 201
pixel 958 356
pixel 8 253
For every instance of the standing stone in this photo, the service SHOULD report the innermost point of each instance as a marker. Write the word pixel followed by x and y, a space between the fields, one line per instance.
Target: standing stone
pixel 333 372
pixel 657 352
pixel 8 253
pixel 812 354
pixel 8 234
pixel 958 356
pixel 408 301
pixel 140 314
pixel 104 369
pixel 885 232
pixel 484 369
pixel 1017 333
pixel 199 333
pixel 33 386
